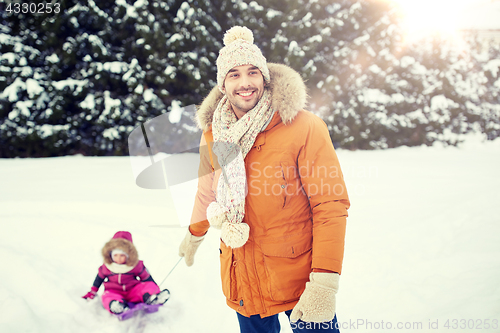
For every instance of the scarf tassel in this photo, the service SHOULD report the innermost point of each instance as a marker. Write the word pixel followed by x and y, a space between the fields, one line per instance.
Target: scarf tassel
pixel 234 235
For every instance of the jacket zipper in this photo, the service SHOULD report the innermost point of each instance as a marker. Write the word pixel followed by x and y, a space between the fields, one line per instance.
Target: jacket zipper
pixel 284 186
pixel 120 282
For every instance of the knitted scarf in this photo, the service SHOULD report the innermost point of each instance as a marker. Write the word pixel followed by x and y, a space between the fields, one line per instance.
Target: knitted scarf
pixel 233 139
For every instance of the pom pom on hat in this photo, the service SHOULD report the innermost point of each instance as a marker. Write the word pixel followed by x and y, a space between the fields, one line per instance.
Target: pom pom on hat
pixel 239 50
pixel 236 33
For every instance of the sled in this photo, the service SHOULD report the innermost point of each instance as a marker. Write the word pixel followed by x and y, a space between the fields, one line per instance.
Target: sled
pixel 135 308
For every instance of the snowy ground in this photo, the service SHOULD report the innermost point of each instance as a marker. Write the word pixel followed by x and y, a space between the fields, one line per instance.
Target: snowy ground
pixel 422 246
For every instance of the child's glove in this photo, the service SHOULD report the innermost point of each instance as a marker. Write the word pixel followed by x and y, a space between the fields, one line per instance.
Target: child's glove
pixel 317 303
pixel 91 294
pixel 188 247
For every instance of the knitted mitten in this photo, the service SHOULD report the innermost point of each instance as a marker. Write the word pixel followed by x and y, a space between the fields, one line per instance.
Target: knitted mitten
pixel 188 247
pixel 317 303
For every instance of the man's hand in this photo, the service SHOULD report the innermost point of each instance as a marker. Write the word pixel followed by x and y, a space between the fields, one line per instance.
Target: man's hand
pixel 188 247
pixel 317 303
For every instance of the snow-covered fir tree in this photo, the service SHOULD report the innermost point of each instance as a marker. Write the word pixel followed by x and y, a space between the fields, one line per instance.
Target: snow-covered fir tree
pixel 81 80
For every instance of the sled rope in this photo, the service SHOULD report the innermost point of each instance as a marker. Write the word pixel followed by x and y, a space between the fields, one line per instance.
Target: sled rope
pixel 170 271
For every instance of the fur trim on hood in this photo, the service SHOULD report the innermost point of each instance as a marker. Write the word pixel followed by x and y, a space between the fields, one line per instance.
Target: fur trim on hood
pixel 124 245
pixel 288 94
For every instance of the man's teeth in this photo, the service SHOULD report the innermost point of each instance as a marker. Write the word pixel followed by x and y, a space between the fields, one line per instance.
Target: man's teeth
pixel 245 94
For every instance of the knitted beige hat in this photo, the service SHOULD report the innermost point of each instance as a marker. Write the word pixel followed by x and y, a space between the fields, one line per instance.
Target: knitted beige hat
pixel 239 50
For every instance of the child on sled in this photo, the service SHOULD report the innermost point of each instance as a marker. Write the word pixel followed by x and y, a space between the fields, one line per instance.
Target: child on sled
pixel 125 277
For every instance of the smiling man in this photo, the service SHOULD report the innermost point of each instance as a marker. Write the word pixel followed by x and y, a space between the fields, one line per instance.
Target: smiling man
pixel 274 188
pixel 244 87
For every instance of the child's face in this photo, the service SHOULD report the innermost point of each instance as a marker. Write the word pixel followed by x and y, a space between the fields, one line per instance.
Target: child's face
pixel 119 258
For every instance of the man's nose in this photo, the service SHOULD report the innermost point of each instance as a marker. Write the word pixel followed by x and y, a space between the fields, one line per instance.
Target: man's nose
pixel 245 81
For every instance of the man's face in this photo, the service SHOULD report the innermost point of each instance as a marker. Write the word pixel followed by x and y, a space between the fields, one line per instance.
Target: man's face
pixel 244 87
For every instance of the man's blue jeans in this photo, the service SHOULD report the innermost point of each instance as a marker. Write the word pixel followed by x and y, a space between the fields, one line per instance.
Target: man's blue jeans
pixel 256 324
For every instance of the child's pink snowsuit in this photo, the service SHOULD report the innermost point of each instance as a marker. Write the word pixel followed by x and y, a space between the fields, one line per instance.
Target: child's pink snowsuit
pixel 125 283
pixel 125 286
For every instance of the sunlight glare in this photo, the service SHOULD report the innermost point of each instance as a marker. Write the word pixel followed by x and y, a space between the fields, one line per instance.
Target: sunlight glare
pixel 425 17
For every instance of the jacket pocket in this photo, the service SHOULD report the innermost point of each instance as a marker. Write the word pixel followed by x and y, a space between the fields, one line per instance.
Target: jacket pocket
pixel 287 262
pixel 228 272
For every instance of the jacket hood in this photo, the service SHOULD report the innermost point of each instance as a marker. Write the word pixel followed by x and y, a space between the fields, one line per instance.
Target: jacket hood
pixel 288 95
pixel 121 240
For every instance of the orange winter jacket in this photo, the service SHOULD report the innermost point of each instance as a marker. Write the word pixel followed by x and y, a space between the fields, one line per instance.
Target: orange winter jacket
pixel 296 205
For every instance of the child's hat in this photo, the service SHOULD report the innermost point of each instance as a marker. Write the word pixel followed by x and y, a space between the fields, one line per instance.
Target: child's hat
pixel 122 240
pixel 123 234
pixel 118 251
